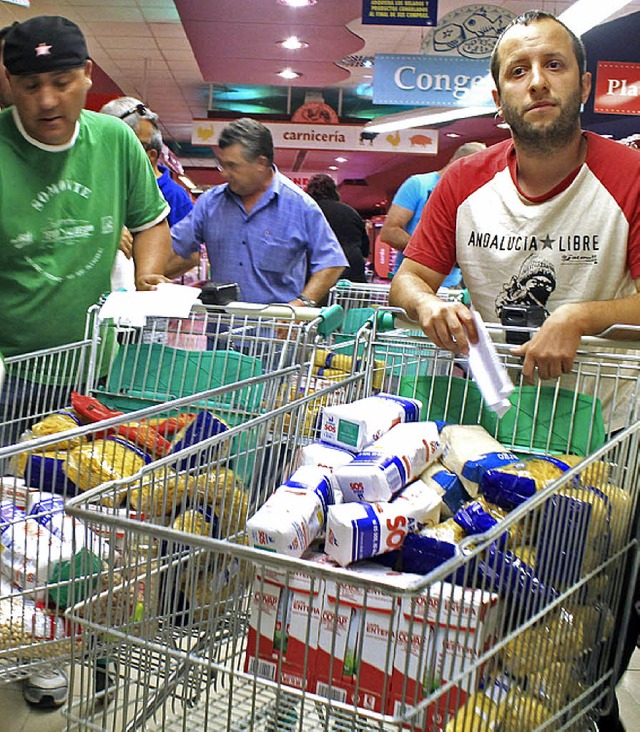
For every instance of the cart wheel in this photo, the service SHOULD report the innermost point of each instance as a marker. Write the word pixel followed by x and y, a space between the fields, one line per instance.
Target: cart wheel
pixel 46 689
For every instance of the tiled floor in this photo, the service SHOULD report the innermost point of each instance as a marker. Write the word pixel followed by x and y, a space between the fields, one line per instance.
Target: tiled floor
pixel 17 716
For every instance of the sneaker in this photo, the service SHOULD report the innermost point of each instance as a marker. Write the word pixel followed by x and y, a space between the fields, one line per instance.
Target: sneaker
pixel 46 688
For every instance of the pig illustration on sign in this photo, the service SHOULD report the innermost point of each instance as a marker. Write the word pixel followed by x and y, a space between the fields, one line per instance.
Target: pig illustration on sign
pixel 420 140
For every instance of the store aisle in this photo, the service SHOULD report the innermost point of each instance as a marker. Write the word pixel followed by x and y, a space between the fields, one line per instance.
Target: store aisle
pixel 17 716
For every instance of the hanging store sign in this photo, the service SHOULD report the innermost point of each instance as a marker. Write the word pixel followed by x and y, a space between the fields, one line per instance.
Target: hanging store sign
pixel 617 88
pixel 400 12
pixel 328 137
pixel 421 80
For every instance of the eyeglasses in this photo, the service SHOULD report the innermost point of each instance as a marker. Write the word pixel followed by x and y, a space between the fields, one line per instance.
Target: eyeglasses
pixel 139 108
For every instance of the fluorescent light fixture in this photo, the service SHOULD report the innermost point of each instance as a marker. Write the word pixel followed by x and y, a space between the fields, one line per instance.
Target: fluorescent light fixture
pixel 289 74
pixel 341 160
pixel 425 117
pixel 293 44
pixel 297 3
pixel 187 181
pixel 333 167
pixel 585 14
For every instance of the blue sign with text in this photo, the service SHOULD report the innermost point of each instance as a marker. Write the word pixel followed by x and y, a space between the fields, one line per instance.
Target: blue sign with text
pixel 432 81
pixel 399 12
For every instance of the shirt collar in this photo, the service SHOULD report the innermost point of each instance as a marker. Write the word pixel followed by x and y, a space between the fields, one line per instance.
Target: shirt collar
pixel 42 145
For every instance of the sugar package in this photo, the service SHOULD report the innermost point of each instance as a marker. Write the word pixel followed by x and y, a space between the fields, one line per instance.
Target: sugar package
pixel 391 462
pixel 361 530
pixel 295 514
pixel 358 424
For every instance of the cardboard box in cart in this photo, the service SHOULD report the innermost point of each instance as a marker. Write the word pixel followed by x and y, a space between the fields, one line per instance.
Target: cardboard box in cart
pixel 283 630
pixel 357 638
pixel 441 634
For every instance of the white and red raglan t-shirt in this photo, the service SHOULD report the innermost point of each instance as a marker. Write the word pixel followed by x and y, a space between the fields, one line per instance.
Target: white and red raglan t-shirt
pixel 579 242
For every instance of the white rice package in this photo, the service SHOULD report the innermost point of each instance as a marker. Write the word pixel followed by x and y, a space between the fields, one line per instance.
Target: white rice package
pixel 361 530
pixel 447 485
pixel 469 451
pixel 389 463
pixel 356 425
pixel 293 516
pixel 322 455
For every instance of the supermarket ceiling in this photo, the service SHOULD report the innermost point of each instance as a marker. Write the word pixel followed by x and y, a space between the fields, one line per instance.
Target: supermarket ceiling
pixel 187 57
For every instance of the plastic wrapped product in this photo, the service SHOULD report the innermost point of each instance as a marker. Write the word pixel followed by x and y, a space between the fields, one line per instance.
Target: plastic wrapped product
pixel 358 531
pixel 221 489
pixel 161 492
pixel 448 485
pixel 322 455
pixel 97 462
pixel 358 424
pixel 510 485
pixel 295 514
pixel 391 462
pixel 57 422
pixel 204 426
pixel 469 451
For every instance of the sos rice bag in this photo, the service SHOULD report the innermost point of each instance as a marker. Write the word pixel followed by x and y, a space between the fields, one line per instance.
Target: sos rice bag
pixel 295 514
pixel 391 462
pixel 358 531
pixel 323 455
pixel 358 424
pixel 469 451
pixel 447 485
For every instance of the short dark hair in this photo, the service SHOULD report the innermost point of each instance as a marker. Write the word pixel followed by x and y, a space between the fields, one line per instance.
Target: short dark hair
pixel 254 137
pixel 533 16
pixel 322 186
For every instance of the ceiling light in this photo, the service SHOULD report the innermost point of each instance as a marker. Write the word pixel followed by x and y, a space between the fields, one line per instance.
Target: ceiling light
pixel 289 74
pixel 293 44
pixel 452 134
pixel 297 3
pixel 424 117
pixel 341 160
pixel 333 167
pixel 585 14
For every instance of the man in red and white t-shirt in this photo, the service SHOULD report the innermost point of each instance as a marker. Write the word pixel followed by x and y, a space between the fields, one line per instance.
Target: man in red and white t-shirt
pixel 550 218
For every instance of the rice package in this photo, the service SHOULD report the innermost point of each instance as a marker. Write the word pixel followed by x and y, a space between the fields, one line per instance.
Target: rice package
pixel 469 451
pixel 361 530
pixel 358 424
pixel 391 462
pixel 323 455
pixel 295 514
pixel 447 484
pixel 204 426
pixel 160 493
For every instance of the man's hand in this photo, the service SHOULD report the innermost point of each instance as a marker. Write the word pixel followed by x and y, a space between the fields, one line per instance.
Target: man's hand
pixel 552 350
pixel 150 281
pixel 449 325
pixel 126 242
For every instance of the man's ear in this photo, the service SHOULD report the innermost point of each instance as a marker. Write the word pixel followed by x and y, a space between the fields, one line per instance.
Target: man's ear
pixel 496 100
pixel 153 157
pixel 585 84
pixel 88 68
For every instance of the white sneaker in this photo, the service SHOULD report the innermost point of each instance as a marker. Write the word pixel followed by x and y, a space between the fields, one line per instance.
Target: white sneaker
pixel 46 688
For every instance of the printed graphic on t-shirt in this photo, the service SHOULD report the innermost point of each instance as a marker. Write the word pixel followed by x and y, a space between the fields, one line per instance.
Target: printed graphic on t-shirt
pixel 532 286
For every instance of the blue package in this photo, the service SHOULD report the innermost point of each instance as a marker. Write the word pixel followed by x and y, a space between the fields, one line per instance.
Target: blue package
pixel 454 494
pixel 204 426
pixel 473 519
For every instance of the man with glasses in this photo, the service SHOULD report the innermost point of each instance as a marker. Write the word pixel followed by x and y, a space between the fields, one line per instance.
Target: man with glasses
pixel 261 231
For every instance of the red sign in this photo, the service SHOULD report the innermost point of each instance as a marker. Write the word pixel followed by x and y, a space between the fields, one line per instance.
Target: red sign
pixel 617 88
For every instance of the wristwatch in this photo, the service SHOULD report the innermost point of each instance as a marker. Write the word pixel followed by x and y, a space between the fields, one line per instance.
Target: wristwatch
pixel 307 301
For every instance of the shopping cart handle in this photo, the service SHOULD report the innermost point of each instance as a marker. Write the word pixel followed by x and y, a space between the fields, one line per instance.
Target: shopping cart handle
pixel 387 320
pixel 331 317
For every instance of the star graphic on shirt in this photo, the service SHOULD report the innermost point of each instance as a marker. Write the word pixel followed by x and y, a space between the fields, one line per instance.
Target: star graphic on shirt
pixel 43 50
pixel 547 242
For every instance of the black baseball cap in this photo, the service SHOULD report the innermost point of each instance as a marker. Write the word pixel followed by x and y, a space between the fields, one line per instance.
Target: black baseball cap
pixel 44 43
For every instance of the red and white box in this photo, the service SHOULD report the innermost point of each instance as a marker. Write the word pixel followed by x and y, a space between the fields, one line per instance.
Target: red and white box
pixel 356 645
pixel 283 630
pixel 441 635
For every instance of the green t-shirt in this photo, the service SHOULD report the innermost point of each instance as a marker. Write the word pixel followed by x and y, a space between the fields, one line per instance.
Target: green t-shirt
pixel 61 214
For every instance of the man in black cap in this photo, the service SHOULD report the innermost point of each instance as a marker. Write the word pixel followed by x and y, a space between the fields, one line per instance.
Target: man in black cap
pixel 69 180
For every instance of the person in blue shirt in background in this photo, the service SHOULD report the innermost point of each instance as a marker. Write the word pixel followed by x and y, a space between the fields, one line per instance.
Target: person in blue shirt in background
pixel 260 230
pixel 406 209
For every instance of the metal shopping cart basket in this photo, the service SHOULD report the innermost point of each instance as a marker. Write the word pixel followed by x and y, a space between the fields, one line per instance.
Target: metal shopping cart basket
pixel 150 387
pixel 510 626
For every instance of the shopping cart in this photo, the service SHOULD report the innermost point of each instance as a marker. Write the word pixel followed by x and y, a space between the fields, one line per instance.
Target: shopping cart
pixel 511 628
pixel 149 376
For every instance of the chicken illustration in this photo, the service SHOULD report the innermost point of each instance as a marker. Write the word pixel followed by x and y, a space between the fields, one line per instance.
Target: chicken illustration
pixel 394 139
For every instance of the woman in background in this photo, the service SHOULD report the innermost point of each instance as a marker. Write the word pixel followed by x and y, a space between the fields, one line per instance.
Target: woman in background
pixel 346 222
